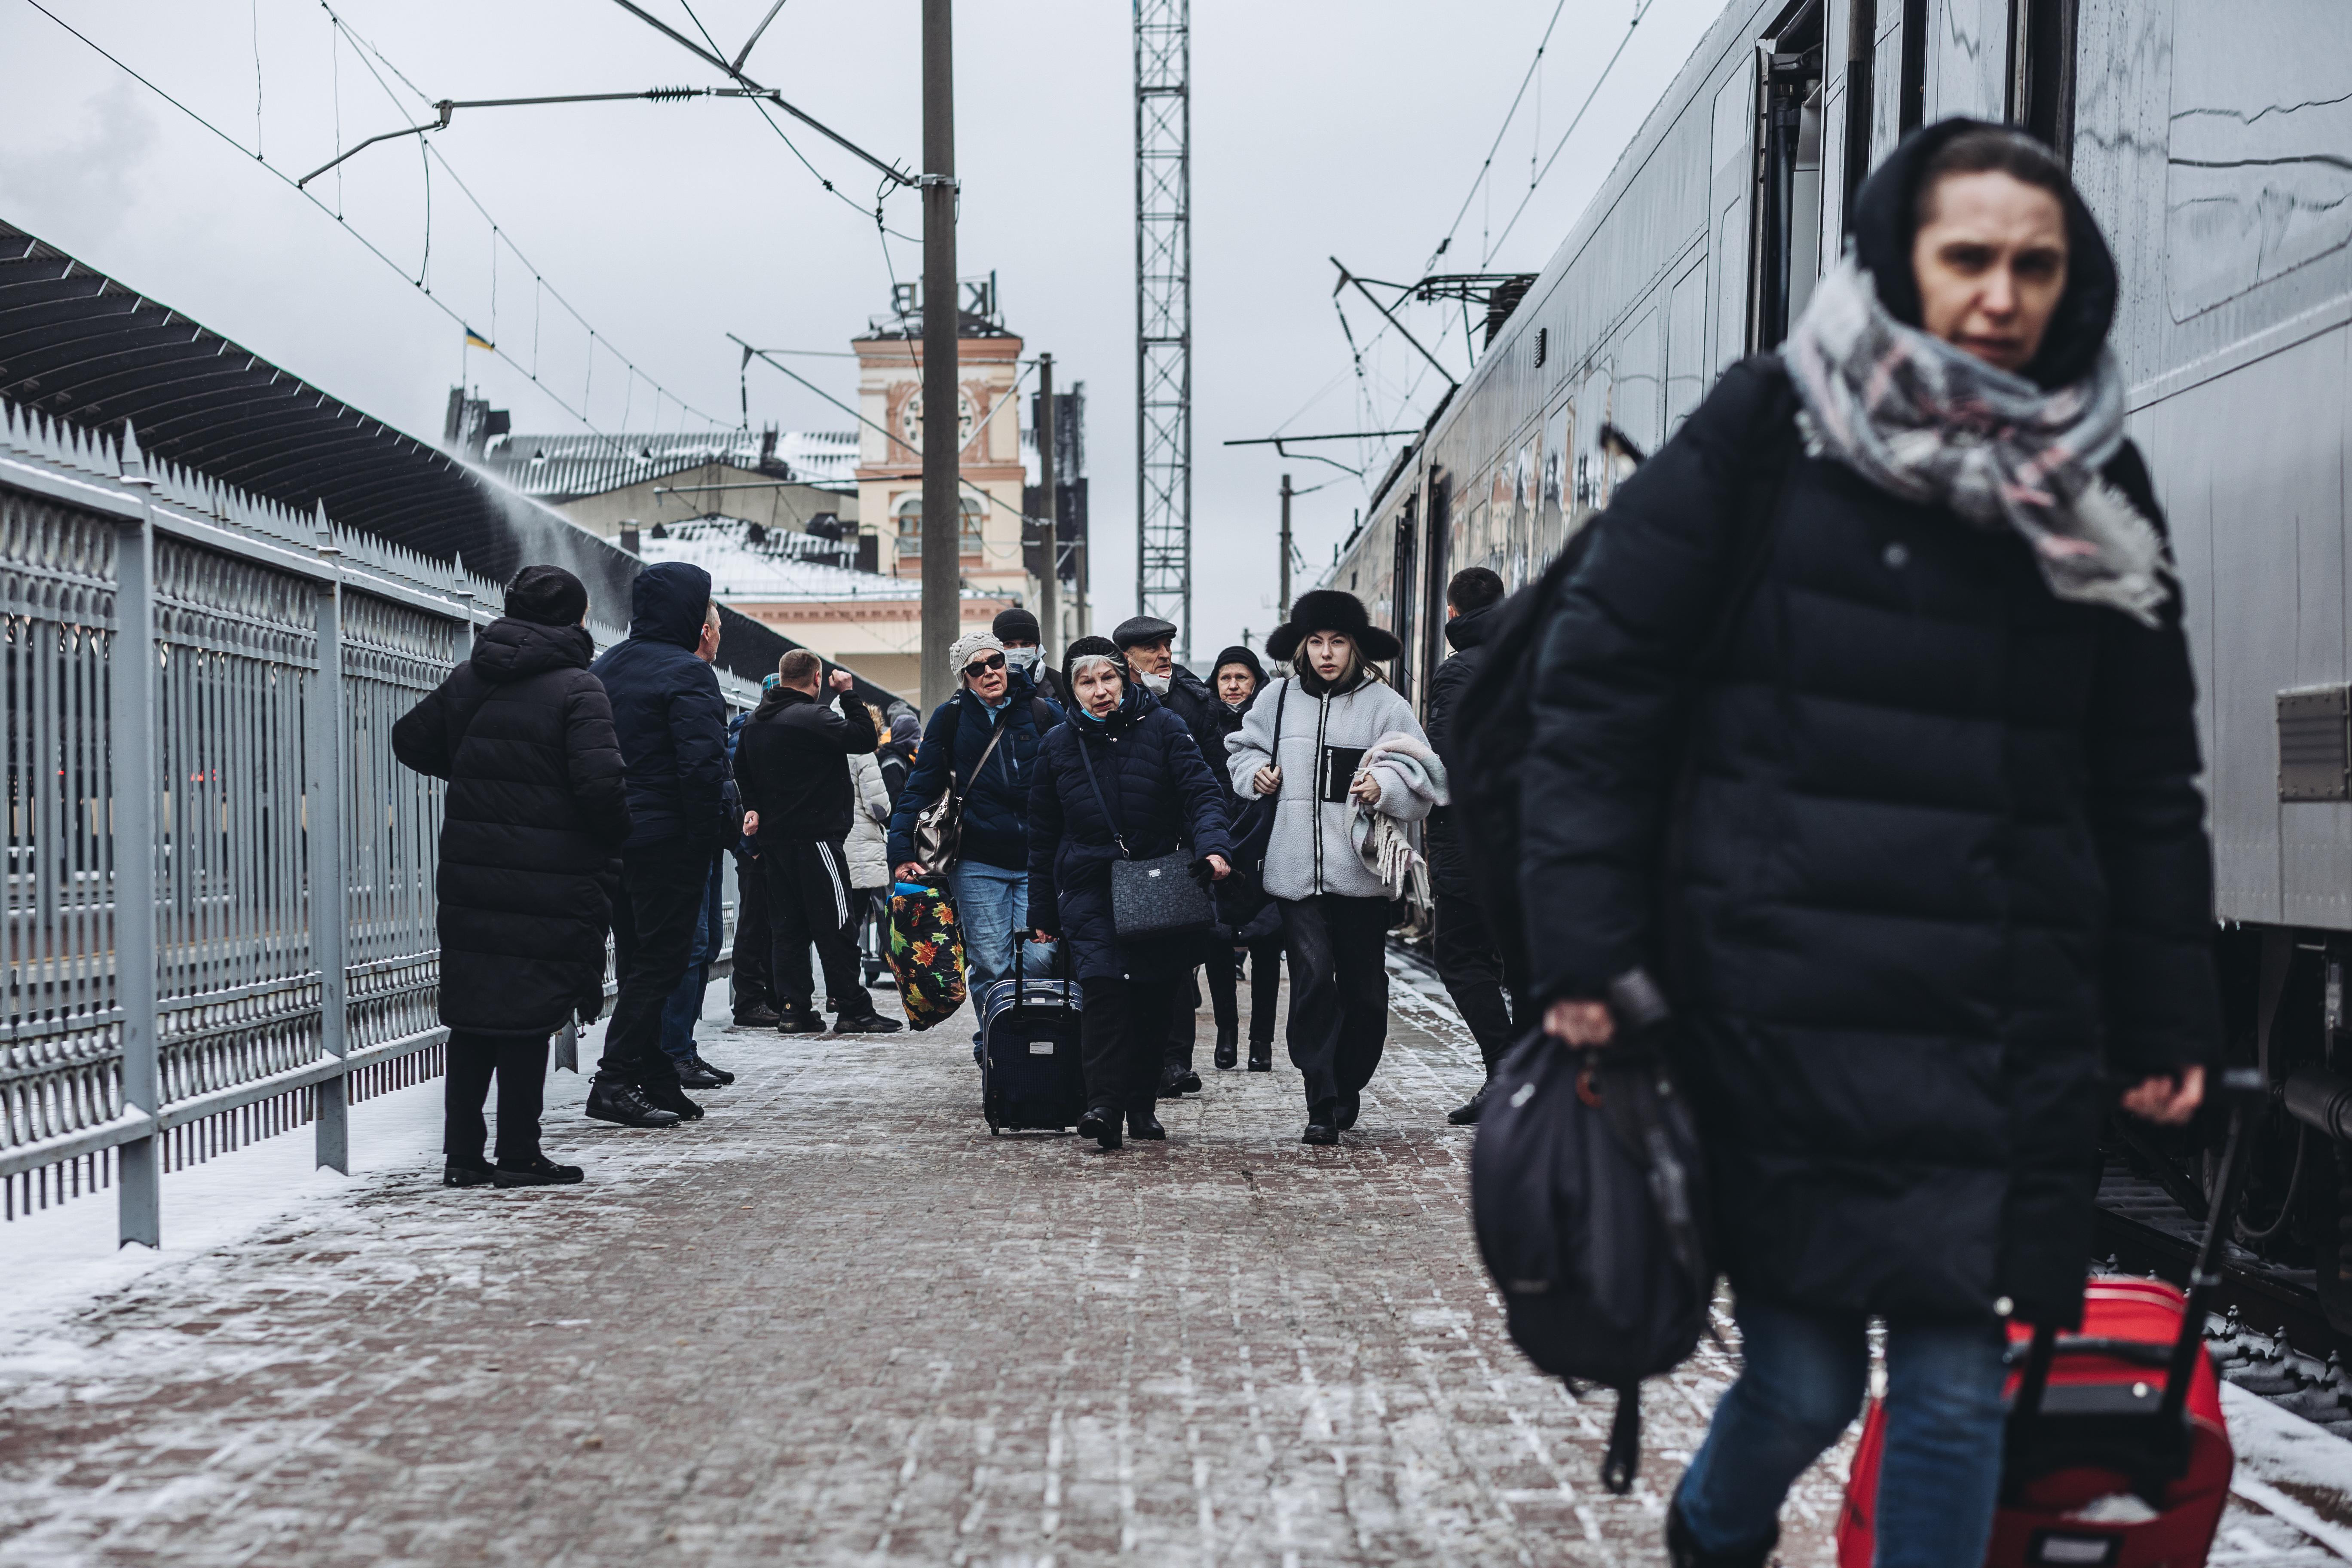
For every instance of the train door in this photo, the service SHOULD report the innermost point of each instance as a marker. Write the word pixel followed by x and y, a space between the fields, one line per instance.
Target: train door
pixel 1788 206
pixel 1406 588
pixel 1439 531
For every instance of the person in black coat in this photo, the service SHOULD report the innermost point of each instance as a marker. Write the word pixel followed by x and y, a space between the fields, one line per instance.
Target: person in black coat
pixel 1148 644
pixel 536 811
pixel 1237 677
pixel 1017 633
pixel 792 765
pixel 1469 960
pixel 1938 850
pixel 1120 750
pixel 672 725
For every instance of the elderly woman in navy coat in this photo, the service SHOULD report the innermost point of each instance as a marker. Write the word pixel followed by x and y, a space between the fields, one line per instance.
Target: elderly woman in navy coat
pixel 1161 793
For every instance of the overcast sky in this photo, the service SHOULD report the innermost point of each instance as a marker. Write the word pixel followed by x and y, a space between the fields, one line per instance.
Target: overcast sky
pixel 1318 130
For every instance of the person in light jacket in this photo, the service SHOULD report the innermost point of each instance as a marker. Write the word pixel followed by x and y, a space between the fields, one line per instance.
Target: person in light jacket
pixel 869 860
pixel 1335 908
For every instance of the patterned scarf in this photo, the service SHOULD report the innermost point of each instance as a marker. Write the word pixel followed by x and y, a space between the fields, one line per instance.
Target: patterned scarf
pixel 1927 421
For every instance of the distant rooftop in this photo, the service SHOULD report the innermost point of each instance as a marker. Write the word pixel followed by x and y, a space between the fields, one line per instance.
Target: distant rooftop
pixel 566 467
pixel 755 563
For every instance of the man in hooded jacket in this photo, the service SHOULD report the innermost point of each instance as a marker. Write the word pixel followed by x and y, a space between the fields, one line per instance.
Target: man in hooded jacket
pixel 1473 967
pixel 672 725
pixel 1148 644
pixel 536 810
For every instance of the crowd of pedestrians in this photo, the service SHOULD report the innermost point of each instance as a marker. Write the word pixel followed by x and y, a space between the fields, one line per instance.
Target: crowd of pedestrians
pixel 1865 715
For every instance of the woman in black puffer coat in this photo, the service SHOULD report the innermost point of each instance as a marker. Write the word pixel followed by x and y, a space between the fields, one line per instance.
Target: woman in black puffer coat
pixel 537 814
pixel 1147 769
pixel 1937 851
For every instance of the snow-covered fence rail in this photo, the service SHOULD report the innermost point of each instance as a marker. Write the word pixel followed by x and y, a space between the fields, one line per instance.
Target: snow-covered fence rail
pixel 218 912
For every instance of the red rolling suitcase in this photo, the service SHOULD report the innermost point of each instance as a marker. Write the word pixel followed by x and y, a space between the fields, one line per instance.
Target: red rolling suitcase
pixel 2116 1454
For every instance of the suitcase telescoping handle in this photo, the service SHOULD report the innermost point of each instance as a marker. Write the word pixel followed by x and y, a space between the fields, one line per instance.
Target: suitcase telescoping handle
pixel 1021 941
pixel 2241 1089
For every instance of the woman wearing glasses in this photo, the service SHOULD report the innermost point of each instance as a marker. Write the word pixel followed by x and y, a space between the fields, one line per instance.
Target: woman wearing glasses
pixel 988 734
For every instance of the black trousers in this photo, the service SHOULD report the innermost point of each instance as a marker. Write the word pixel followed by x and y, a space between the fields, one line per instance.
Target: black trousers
pixel 750 985
pixel 1339 990
pixel 1120 1040
pixel 1224 970
pixel 653 923
pixel 519 1063
pixel 1477 977
pixel 1184 1013
pixel 809 900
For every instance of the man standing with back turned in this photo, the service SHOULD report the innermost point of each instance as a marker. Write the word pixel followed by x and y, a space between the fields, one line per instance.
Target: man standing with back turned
pixel 792 763
pixel 672 725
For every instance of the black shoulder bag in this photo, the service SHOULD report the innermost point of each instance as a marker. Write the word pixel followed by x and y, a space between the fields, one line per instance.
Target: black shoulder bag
pixel 1158 897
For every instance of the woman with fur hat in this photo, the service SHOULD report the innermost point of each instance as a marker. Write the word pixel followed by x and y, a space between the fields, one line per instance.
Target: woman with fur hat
pixel 1335 907
pixel 1121 779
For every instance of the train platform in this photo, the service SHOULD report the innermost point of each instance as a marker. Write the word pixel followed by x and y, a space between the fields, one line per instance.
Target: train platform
pixel 836 1321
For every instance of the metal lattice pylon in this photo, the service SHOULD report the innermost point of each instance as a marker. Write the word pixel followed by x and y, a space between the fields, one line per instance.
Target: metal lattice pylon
pixel 1163 314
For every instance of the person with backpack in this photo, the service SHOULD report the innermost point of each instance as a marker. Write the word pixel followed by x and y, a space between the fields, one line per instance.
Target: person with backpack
pixel 537 811
pixel 1335 908
pixel 1237 678
pixel 1122 779
pixel 983 742
pixel 1482 979
pixel 1867 720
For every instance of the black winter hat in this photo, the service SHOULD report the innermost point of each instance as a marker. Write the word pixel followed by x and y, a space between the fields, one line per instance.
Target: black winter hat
pixel 546 596
pixel 1237 654
pixel 1092 647
pixel 1331 610
pixel 1885 222
pixel 1016 625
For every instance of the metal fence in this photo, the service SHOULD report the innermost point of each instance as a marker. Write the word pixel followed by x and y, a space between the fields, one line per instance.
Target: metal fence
pixel 219 908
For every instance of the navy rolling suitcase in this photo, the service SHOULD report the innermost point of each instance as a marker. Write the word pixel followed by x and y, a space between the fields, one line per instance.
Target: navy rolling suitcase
pixel 1031 1078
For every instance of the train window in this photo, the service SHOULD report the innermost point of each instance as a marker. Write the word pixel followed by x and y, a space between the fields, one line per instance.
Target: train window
pixel 1523 512
pixel 1435 571
pixel 1551 507
pixel 1788 172
pixel 1911 101
pixel 2041 71
pixel 1685 347
pixel 1401 586
pixel 1860 101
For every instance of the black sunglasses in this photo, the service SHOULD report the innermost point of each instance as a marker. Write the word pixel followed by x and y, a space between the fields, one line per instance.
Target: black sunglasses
pixel 980 666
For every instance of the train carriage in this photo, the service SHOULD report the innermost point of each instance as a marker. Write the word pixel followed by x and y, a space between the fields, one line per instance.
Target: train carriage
pixel 2213 138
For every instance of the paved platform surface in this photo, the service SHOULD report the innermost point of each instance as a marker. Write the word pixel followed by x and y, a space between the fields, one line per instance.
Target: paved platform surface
pixel 838 1322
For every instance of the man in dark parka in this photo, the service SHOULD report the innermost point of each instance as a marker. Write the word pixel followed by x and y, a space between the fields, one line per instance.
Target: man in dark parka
pixel 535 814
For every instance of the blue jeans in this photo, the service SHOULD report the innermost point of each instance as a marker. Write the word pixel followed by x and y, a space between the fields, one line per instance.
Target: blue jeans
pixel 1802 1378
pixel 684 1007
pixel 992 907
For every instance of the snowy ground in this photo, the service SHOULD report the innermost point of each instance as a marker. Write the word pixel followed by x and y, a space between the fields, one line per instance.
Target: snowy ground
pixel 838 1321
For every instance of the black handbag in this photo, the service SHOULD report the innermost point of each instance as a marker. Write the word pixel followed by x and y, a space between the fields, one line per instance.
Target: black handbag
pixel 1158 897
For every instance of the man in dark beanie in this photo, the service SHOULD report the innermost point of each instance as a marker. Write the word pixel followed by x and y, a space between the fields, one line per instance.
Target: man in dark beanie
pixel 523 732
pixel 1025 650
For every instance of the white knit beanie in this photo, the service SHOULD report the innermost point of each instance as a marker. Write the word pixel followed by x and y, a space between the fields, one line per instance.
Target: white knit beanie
pixel 961 651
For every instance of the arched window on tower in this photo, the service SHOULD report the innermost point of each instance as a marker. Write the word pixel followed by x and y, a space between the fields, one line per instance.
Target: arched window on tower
pixel 910 529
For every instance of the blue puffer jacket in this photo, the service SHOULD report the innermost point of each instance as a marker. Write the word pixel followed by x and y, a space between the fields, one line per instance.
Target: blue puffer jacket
pixel 996 801
pixel 1152 774
pixel 667 710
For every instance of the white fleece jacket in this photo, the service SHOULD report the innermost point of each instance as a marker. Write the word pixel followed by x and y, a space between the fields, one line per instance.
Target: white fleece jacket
pixel 1312 850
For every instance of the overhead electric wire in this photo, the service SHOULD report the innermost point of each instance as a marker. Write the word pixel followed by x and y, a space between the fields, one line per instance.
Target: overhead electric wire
pixel 1487 167
pixel 1640 11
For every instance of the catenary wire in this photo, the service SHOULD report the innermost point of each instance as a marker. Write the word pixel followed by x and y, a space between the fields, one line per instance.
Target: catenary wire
pixel 1487 167
pixel 1576 119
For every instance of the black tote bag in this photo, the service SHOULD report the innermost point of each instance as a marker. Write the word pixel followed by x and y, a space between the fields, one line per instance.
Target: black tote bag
pixel 1158 897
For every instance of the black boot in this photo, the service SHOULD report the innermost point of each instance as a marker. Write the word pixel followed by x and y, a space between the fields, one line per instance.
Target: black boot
pixel 539 1172
pixel 1351 1105
pixel 666 1093
pixel 1228 1047
pixel 756 1016
pixel 1143 1126
pixel 1261 1056
pixel 625 1105
pixel 1322 1123
pixel 474 1173
pixel 1101 1125
pixel 722 1074
pixel 695 1073
pixel 1469 1110
pixel 1683 1551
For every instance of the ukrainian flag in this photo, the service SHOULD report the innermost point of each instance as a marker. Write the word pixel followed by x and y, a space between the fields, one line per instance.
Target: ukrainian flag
pixel 475 339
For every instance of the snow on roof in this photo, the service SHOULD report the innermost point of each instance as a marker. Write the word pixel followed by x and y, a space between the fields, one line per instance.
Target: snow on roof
pixel 585 464
pixel 774 564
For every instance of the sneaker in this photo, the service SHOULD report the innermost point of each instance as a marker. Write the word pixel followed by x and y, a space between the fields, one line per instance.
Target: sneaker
pixel 871 1024
pixel 625 1105
pixel 541 1171
pixel 694 1073
pixel 467 1173
pixel 670 1096
pixel 722 1074
pixel 798 1023
pixel 758 1015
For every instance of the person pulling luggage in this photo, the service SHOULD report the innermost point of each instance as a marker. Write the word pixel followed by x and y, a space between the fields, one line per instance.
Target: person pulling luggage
pixel 1121 779
pixel 1237 677
pixel 1335 907
pixel 1882 651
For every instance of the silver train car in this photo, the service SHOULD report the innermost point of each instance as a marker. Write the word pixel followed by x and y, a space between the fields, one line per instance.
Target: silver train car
pixel 2213 138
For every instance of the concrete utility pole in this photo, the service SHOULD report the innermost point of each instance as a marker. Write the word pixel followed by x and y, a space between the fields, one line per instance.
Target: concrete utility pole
pixel 1284 607
pixel 1050 595
pixel 943 426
